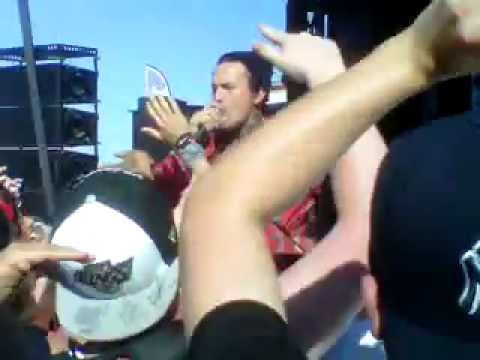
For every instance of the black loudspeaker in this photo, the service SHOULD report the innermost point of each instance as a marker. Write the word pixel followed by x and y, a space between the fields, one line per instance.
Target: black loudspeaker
pixel 65 166
pixel 63 126
pixel 57 84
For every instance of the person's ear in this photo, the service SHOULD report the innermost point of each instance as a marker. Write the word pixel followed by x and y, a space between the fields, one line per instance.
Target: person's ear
pixel 260 97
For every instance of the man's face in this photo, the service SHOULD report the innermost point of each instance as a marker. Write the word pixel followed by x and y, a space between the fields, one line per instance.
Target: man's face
pixel 233 96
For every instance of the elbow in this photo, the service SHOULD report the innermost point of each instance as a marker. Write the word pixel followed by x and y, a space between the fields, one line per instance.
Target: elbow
pixel 356 233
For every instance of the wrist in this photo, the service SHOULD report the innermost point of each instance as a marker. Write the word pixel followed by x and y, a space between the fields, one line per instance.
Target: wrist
pixel 182 139
pixel 413 61
pixel 191 152
pixel 422 57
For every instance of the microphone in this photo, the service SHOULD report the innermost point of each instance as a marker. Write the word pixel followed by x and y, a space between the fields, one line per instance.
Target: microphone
pixel 208 119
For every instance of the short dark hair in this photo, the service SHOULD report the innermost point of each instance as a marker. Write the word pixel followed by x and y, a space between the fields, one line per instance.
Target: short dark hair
pixel 259 69
pixel 14 342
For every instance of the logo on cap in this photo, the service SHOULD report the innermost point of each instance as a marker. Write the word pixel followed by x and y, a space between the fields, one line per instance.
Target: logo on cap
pixel 105 277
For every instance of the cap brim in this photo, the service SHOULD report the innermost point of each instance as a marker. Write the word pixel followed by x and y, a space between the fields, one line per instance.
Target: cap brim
pixel 405 340
pixel 117 319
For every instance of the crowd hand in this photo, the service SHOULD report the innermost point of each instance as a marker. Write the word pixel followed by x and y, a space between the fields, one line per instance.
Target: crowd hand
pixel 3 173
pixel 169 121
pixel 209 117
pixel 303 57
pixel 136 161
pixel 58 341
pixel 12 186
pixel 40 233
pixel 447 38
pixel 19 259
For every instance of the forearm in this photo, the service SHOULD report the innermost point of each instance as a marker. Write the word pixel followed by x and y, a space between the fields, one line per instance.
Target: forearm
pixel 330 275
pixel 354 176
pixel 327 280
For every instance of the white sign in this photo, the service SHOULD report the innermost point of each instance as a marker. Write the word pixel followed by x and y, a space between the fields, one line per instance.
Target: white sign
pixel 156 83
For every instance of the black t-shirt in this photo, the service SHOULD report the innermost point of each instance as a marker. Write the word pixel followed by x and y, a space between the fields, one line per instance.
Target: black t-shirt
pixel 243 330
pixel 19 342
pixel 425 216
pixel 36 343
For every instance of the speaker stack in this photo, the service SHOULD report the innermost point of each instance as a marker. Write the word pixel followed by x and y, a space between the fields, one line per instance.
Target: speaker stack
pixel 69 100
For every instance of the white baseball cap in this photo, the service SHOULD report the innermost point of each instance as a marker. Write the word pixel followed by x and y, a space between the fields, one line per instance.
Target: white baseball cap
pixel 123 221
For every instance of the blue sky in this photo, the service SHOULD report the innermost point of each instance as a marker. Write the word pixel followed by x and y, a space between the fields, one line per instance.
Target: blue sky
pixel 182 38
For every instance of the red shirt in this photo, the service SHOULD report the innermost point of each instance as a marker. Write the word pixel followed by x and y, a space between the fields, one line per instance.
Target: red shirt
pixel 172 176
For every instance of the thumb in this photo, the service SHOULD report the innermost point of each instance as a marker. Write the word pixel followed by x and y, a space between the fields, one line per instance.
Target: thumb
pixel 276 36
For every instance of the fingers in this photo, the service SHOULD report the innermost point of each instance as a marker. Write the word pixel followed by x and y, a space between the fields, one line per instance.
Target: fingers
pixel 207 117
pixel 271 54
pixel 162 107
pixel 3 173
pixel 471 31
pixel 155 113
pixel 173 105
pixel 268 52
pixel 48 252
pixel 277 37
pixel 35 253
pixel 152 133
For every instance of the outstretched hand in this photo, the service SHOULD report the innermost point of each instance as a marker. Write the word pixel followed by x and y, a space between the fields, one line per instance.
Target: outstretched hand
pixel 137 161
pixel 169 121
pixel 19 259
pixel 303 57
